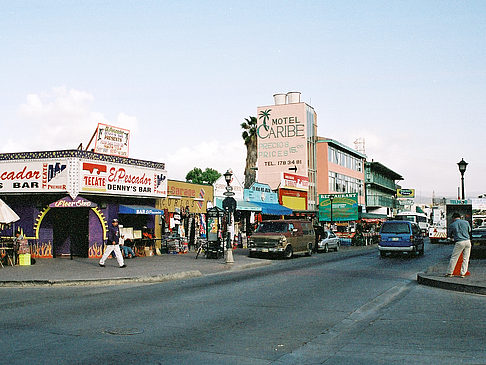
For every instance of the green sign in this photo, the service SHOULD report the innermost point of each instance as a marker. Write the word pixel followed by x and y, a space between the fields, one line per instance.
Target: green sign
pixel 344 207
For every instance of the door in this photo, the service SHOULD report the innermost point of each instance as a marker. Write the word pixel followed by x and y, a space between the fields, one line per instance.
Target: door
pixel 70 231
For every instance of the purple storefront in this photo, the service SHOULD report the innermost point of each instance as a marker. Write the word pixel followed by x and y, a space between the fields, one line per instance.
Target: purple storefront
pixel 66 199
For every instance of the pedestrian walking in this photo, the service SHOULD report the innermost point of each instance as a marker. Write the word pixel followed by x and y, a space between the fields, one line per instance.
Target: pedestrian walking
pixel 460 232
pixel 113 245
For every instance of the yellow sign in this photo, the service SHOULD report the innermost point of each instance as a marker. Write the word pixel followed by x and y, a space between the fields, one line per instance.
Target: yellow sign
pixel 183 194
pixel 406 193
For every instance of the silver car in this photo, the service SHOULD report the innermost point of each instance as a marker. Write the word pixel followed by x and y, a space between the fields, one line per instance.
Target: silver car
pixel 329 241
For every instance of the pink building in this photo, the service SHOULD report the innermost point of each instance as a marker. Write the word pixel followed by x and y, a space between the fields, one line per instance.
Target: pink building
pixel 340 169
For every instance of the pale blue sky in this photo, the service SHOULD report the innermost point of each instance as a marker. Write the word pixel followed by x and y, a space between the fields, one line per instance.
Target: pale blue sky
pixel 408 76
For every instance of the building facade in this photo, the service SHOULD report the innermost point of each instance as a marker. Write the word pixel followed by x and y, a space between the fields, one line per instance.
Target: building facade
pixel 381 186
pixel 340 169
pixel 66 199
pixel 286 134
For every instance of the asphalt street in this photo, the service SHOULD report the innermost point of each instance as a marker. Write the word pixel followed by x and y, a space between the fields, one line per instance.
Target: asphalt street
pixel 331 308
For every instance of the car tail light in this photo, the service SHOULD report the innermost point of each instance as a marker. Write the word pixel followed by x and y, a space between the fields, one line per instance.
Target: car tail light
pixel 379 237
pixel 411 238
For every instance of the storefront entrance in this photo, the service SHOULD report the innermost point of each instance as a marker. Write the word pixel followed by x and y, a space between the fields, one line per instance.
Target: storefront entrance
pixel 70 231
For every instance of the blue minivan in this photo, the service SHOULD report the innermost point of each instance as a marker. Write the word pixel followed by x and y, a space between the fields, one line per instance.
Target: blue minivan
pixel 400 236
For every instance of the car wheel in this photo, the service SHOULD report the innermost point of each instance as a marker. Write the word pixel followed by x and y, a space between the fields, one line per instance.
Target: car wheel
pixel 337 247
pixel 288 253
pixel 251 254
pixel 309 250
pixel 326 249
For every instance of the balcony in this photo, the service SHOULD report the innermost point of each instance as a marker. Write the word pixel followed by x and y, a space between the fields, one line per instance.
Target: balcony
pixel 380 201
pixel 381 181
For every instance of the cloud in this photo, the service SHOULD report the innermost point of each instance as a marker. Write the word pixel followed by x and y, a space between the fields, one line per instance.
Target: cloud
pixel 58 119
pixel 213 154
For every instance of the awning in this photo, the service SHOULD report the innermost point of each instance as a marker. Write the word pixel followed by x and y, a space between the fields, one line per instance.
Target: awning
pixel 244 205
pixel 273 208
pixel 139 209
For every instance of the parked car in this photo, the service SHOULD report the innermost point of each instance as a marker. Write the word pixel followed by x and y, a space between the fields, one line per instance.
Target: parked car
pixel 282 237
pixel 478 240
pixel 329 241
pixel 400 236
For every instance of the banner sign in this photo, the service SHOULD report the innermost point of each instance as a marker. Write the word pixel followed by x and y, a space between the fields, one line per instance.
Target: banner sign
pixel 344 207
pixel 118 179
pixel 112 140
pixel 291 181
pixel 33 176
pixel 406 193
pixel 220 187
pixel 68 202
pixel 260 193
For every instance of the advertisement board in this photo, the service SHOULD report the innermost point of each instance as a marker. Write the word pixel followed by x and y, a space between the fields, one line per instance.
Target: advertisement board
pixel 260 193
pixel 34 176
pixel 112 140
pixel 296 182
pixel 344 207
pixel 282 142
pixel 405 193
pixel 118 179
pixel 183 194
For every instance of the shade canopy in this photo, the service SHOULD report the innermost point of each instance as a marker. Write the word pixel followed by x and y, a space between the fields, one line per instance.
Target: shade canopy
pixel 7 215
pixel 139 209
pixel 244 205
pixel 273 209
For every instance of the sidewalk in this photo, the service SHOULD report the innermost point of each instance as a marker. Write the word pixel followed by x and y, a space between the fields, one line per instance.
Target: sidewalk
pixel 475 283
pixel 84 271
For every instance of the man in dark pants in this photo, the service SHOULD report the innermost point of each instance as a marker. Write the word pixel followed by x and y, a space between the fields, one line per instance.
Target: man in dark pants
pixel 460 232
pixel 113 245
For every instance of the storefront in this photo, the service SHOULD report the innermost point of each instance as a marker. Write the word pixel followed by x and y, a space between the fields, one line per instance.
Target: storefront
pixel 67 199
pixel 185 207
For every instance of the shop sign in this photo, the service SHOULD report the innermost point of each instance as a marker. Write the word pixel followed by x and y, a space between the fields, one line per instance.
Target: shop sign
pixel 182 194
pixel 118 179
pixel 112 140
pixel 344 207
pixel 292 181
pixel 282 141
pixel 406 193
pixel 260 193
pixel 220 187
pixel 458 201
pixel 68 202
pixel 34 176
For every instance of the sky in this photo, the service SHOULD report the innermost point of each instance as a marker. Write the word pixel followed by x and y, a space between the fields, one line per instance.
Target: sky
pixel 407 76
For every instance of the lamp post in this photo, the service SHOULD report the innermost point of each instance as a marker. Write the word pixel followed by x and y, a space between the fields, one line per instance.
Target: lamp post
pixel 331 198
pixel 462 169
pixel 229 205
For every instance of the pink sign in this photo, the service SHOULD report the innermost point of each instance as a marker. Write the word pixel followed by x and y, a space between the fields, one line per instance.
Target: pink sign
pixel 292 181
pixel 68 202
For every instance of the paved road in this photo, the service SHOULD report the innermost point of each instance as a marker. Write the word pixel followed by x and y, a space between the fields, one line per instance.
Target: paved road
pixel 329 308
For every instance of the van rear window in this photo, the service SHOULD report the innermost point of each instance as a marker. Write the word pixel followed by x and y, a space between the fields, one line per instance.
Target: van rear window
pixel 397 228
pixel 268 227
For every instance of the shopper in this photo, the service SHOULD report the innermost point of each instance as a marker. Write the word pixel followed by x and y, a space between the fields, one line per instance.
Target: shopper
pixel 460 232
pixel 113 245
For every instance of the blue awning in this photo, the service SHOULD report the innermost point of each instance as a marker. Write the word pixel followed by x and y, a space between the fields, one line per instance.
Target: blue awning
pixel 139 209
pixel 273 208
pixel 249 206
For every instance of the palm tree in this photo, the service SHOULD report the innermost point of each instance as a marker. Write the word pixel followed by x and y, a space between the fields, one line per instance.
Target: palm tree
pixel 250 137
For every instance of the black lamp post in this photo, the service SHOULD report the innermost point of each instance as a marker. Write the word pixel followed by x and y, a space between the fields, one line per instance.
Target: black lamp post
pixel 462 169
pixel 331 198
pixel 229 205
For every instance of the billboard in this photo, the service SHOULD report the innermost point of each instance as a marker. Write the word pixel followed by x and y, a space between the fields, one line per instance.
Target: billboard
pixel 344 207
pixel 112 140
pixel 296 182
pixel 34 176
pixel 119 179
pixel 405 193
pixel 282 142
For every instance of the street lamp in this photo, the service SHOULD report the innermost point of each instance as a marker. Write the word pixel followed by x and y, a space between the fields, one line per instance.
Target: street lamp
pixel 229 205
pixel 331 198
pixel 462 169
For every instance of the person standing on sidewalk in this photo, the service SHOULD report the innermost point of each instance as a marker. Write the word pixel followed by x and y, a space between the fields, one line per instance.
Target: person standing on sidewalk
pixel 460 232
pixel 113 245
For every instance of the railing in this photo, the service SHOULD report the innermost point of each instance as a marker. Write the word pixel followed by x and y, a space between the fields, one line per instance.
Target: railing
pixel 380 201
pixel 380 180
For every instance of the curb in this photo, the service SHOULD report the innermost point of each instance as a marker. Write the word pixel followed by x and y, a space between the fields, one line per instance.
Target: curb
pixel 442 284
pixel 94 282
